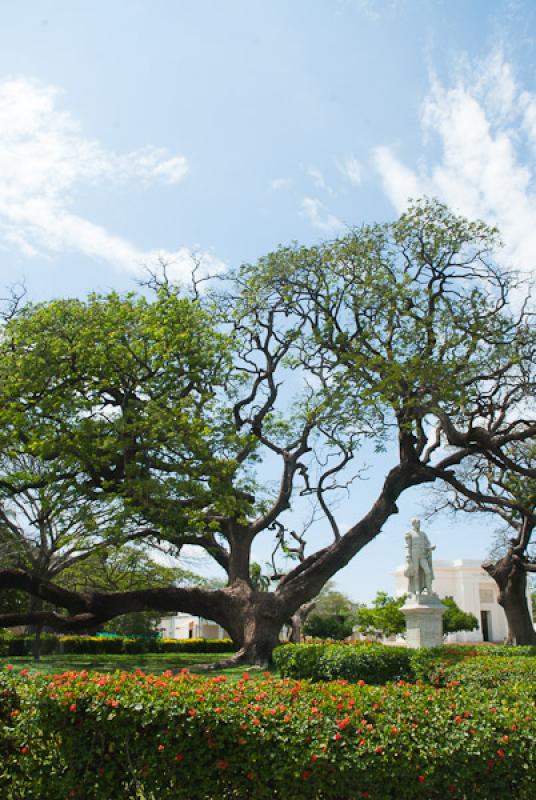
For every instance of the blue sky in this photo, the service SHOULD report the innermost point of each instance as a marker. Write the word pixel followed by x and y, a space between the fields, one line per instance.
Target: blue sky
pixel 132 129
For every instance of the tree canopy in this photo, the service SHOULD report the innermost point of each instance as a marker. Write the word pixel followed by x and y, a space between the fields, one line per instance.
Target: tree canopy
pixel 172 405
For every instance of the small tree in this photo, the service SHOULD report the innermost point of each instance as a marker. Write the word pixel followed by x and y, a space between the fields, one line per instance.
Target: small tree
pixel 332 618
pixel 386 619
pixel 454 619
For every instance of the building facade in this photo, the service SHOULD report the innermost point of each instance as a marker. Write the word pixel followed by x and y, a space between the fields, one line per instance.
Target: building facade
pixel 186 626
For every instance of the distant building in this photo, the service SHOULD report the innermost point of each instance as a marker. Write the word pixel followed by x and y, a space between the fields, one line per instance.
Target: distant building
pixel 474 591
pixel 186 626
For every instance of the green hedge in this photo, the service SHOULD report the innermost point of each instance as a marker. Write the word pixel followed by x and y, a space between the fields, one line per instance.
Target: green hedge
pixel 187 737
pixel 99 645
pixel 321 662
pixel 490 671
pixel 377 663
pixel 434 664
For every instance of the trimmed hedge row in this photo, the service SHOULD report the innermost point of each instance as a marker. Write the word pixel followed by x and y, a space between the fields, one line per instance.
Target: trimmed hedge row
pixel 186 737
pixel 377 663
pixel 109 645
pixel 488 672
pixel 324 662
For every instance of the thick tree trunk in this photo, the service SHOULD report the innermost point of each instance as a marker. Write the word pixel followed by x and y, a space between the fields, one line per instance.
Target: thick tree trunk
pixel 510 576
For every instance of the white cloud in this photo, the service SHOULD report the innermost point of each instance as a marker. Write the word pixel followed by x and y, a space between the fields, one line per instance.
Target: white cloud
pixel 45 159
pixel 319 217
pixel 317 177
pixel 351 168
pixel 281 183
pixel 484 123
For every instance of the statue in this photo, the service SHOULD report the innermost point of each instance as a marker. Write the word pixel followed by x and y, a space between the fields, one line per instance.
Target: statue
pixel 418 560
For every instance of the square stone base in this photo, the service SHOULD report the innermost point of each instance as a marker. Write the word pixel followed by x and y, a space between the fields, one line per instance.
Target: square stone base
pixel 424 620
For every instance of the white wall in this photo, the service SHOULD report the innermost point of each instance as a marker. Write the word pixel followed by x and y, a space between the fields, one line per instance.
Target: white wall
pixel 186 626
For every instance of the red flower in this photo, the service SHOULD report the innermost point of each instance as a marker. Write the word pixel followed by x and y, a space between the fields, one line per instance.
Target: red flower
pixel 72 707
pixel 421 779
pixel 306 775
pixel 379 749
pixel 161 748
pixel 179 757
pixel 222 764
pixel 500 753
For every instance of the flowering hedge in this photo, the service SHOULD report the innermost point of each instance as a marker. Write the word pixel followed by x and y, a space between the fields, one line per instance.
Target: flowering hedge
pixel 186 737
pixel 108 645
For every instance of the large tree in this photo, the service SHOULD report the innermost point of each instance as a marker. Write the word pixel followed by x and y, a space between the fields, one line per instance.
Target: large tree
pixel 398 336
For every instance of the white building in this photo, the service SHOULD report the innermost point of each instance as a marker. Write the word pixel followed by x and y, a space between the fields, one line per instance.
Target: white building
pixel 186 626
pixel 474 591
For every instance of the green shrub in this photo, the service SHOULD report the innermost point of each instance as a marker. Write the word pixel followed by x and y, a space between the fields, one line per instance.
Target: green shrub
pixel 91 645
pixel 433 664
pixel 186 737
pixel 109 645
pixel 320 662
pixel 23 645
pixel 490 671
pixel 195 645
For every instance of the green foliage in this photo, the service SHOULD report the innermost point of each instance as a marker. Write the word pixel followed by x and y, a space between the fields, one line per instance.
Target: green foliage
pixel 185 737
pixel 433 664
pixel 122 389
pixel 491 671
pixel 333 616
pixel 454 619
pixel 329 626
pixel 384 617
pixel 258 579
pixel 126 569
pixel 94 645
pixel 352 662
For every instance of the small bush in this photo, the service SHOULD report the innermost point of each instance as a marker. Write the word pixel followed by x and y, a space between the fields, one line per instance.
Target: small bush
pixel 373 664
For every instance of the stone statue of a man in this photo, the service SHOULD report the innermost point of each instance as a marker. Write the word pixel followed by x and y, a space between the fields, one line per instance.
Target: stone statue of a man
pixel 418 560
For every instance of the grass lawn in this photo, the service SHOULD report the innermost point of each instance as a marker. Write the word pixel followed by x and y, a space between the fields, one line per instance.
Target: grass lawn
pixel 148 662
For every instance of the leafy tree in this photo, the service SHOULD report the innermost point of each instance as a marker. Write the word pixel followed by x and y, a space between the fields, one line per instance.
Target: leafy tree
pixel 332 618
pixel 454 619
pixel 386 618
pixel 171 405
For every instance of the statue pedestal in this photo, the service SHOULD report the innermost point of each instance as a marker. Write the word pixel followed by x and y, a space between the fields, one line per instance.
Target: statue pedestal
pixel 424 615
